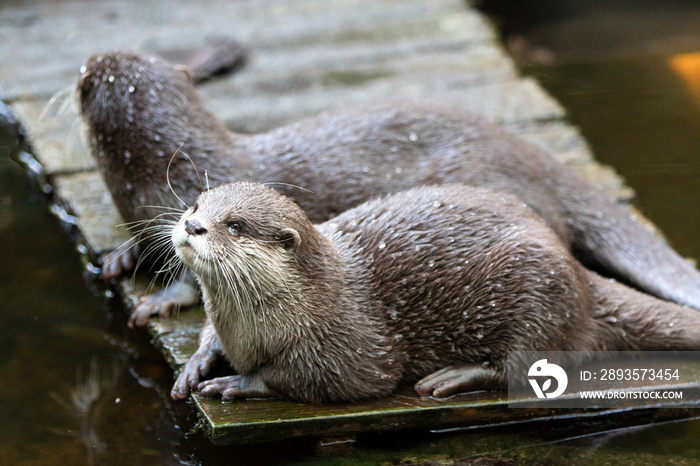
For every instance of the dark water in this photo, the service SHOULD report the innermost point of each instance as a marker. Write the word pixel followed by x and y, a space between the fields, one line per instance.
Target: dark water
pixel 77 388
pixel 628 74
pixel 74 387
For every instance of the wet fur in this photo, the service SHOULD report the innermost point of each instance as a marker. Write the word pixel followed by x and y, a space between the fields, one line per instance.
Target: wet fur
pixel 394 290
pixel 140 110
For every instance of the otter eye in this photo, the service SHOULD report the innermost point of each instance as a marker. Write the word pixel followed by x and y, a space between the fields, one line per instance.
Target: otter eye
pixel 195 207
pixel 234 228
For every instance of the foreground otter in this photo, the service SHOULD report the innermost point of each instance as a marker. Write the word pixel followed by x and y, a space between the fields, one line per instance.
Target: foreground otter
pixel 139 111
pixel 446 278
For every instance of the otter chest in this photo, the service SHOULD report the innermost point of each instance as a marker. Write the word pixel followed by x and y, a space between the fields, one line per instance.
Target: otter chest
pixel 246 344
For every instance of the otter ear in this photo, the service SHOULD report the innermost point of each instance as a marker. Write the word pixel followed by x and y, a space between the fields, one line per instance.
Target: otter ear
pixel 187 70
pixel 289 238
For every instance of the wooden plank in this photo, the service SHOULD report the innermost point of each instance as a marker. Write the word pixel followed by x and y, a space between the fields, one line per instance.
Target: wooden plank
pixel 504 102
pixel 167 29
pixel 86 197
pixel 255 421
pixel 56 133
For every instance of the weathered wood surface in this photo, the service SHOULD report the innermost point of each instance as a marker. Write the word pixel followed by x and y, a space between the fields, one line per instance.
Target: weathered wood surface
pixel 306 56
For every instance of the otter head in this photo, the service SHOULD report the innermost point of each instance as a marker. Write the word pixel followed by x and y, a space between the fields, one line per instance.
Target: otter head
pixel 245 238
pixel 142 115
pixel 123 89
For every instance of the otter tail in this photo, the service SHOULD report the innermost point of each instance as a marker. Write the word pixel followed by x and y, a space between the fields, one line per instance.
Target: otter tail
pixel 606 235
pixel 629 320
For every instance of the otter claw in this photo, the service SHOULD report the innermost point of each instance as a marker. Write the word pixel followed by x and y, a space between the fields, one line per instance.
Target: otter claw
pixel 150 305
pixel 190 375
pixel 177 295
pixel 460 379
pixel 121 260
pixel 234 386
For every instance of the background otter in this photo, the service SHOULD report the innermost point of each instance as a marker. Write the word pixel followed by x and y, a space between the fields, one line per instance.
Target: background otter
pixel 139 111
pixel 449 277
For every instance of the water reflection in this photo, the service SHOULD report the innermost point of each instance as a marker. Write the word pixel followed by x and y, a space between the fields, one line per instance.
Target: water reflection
pixel 74 390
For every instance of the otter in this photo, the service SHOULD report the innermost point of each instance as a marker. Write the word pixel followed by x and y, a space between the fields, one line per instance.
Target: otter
pixel 140 110
pixel 435 285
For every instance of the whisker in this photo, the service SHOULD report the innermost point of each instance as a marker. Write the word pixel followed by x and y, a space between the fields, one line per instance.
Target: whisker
pixel 60 94
pixel 167 176
pixel 162 207
pixel 270 183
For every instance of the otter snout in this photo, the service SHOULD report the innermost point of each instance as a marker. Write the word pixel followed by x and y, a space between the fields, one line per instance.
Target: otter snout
pixel 190 240
pixel 194 228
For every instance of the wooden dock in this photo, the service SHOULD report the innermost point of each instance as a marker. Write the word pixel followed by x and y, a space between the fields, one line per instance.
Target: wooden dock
pixel 305 57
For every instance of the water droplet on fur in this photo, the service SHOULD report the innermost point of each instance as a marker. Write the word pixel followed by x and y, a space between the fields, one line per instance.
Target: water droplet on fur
pixel 127 154
pixel 394 148
pixel 83 69
pixel 111 79
pixel 358 350
pixel 431 264
pixel 382 245
pixel 131 89
pixel 671 324
pixel 412 136
pixel 437 204
pixel 465 313
pixel 156 137
pixel 399 170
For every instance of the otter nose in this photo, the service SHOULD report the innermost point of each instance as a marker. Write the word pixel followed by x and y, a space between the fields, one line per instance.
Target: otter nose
pixel 193 227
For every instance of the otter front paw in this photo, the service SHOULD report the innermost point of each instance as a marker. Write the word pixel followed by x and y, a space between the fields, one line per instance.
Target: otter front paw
pixel 235 386
pixel 191 373
pixel 121 260
pixel 177 295
pixel 460 379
